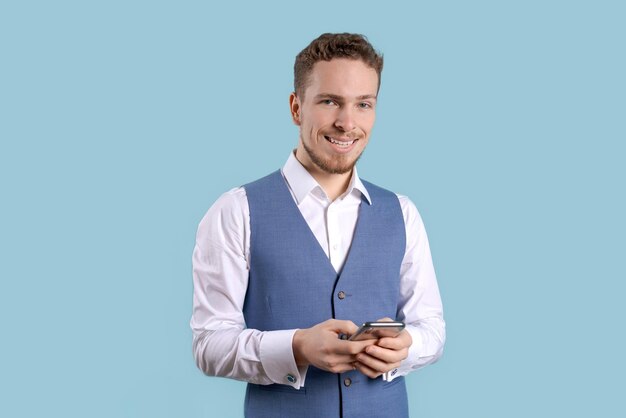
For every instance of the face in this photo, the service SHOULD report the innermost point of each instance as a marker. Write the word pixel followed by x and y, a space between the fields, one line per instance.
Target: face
pixel 336 115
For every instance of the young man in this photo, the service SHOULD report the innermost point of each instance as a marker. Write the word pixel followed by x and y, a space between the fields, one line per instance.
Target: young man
pixel 287 266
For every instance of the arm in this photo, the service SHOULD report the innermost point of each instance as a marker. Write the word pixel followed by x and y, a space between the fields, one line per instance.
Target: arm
pixel 222 346
pixel 419 307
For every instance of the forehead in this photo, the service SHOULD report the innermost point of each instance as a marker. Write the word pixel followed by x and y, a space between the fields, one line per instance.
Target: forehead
pixel 343 77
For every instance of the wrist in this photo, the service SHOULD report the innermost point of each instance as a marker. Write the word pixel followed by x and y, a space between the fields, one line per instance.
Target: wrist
pixel 296 346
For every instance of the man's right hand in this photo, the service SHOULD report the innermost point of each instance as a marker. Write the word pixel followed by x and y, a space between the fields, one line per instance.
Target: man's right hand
pixel 321 346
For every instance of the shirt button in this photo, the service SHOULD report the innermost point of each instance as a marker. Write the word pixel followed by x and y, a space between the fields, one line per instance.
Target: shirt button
pixel 291 378
pixel 341 295
pixel 347 382
pixel 335 247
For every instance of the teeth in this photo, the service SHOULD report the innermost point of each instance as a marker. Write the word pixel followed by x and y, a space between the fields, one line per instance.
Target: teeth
pixel 344 144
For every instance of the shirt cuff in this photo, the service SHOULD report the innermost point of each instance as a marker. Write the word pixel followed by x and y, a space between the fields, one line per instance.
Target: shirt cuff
pixel 278 361
pixel 407 365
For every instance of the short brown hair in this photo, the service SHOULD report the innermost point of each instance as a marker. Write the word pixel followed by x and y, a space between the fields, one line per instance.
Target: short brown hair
pixel 334 45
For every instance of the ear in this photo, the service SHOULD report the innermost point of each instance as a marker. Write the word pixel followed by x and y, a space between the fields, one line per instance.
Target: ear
pixel 294 106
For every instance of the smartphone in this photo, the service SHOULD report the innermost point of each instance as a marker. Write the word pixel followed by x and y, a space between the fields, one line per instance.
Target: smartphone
pixel 375 330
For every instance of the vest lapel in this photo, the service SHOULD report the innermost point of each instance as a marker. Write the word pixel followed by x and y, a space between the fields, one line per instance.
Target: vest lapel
pixel 292 208
pixel 355 246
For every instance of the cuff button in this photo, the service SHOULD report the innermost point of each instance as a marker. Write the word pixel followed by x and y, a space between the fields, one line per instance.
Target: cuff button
pixel 291 378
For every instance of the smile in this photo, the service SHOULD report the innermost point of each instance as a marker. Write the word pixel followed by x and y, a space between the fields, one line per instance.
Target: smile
pixel 341 144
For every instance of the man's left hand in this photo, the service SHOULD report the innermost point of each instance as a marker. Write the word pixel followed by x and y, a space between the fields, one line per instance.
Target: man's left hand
pixel 385 355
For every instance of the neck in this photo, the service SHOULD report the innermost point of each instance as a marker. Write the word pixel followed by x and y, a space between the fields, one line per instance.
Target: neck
pixel 334 185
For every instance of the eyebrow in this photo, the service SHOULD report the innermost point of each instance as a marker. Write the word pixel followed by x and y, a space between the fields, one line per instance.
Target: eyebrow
pixel 340 98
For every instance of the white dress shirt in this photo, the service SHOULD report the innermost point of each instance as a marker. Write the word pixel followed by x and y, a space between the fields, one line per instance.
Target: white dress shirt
pixel 222 346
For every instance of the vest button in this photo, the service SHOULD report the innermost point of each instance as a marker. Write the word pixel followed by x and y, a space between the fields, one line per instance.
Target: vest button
pixel 347 382
pixel 341 295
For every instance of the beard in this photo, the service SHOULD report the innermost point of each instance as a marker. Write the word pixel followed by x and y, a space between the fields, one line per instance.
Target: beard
pixel 337 164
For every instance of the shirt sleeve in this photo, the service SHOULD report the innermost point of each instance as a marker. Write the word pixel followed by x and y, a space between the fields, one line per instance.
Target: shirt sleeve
pixel 420 302
pixel 222 346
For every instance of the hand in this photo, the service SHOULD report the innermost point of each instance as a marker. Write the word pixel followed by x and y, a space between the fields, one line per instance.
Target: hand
pixel 321 346
pixel 385 355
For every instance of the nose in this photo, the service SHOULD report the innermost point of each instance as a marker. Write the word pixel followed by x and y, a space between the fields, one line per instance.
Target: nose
pixel 345 119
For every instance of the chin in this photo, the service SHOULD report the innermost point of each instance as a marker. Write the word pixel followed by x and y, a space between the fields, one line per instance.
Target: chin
pixel 333 166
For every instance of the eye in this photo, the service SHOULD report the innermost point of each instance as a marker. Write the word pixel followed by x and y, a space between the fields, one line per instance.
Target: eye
pixel 365 105
pixel 328 102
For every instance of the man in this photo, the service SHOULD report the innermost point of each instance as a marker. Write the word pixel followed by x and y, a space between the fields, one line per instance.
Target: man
pixel 287 266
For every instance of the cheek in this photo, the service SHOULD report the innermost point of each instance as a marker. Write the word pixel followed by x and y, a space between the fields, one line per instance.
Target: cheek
pixel 367 124
pixel 320 118
pixel 307 131
pixel 315 125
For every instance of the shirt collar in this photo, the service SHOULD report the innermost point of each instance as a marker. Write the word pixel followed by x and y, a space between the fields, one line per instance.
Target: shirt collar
pixel 301 182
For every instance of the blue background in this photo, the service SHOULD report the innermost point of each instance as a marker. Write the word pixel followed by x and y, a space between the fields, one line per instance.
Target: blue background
pixel 121 123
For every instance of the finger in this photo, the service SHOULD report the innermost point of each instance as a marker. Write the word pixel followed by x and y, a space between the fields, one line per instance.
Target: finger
pixel 402 340
pixel 386 355
pixel 352 347
pixel 367 371
pixel 385 319
pixel 347 367
pixel 376 364
pixel 342 326
pixel 339 359
pixel 340 367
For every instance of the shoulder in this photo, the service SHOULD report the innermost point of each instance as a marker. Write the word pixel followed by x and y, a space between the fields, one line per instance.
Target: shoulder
pixel 263 183
pixel 409 210
pixel 412 217
pixel 378 195
pixel 229 203
pixel 225 220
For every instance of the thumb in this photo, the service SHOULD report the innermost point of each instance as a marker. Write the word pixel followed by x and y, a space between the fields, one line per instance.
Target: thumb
pixel 385 319
pixel 343 326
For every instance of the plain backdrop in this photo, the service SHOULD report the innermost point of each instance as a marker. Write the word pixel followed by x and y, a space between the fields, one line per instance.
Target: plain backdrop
pixel 122 122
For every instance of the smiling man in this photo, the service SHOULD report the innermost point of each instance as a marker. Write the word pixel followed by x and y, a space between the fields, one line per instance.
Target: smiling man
pixel 287 266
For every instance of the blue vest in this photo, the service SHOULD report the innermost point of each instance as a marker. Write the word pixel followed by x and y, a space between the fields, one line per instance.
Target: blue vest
pixel 292 284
